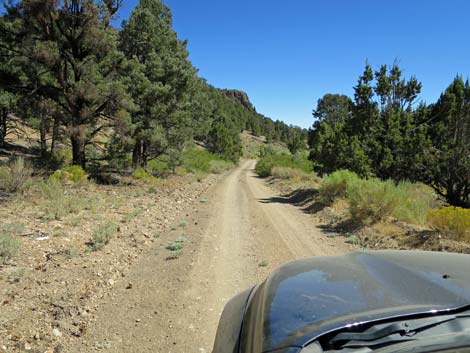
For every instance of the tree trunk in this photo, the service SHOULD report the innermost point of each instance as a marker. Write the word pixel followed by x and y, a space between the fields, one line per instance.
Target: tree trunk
pixel 78 141
pixel 143 161
pixel 55 134
pixel 3 126
pixel 42 134
pixel 137 154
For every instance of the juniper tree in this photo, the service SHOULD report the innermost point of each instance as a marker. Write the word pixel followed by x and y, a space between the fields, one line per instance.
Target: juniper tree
pixel 447 159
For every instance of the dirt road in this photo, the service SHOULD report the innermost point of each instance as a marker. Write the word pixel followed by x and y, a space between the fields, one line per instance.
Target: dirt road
pixel 240 232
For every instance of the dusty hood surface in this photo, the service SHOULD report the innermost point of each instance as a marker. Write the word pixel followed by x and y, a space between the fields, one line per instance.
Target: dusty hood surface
pixel 305 299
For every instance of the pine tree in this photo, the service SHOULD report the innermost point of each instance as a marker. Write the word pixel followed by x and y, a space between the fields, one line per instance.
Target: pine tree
pixel 224 139
pixel 161 81
pixel 67 53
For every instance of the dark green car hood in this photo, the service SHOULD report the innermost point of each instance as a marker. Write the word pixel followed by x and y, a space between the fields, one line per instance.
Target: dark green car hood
pixel 305 299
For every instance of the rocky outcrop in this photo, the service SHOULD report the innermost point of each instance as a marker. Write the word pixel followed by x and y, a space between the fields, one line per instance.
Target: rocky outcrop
pixel 241 97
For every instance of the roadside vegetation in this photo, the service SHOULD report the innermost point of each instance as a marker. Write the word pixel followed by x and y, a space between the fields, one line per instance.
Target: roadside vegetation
pixel 283 164
pixel 374 200
pixel 385 132
pixel 381 158
pixel 366 208
pixel 452 221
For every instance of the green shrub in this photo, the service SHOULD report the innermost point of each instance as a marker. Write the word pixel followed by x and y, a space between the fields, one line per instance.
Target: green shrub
pixel 59 203
pixel 103 235
pixel 335 185
pixel 265 165
pixel 177 245
pixel 372 200
pixel 451 221
pixel 197 160
pixel 416 200
pixel 9 247
pixel 140 173
pixel 12 228
pixel 64 156
pixel 73 173
pixel 266 150
pixel 220 166
pixel 202 162
pixel 51 189
pixel 158 167
pixel 174 246
pixel 15 176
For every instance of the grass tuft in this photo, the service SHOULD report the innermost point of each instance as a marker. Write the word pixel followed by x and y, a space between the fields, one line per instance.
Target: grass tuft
pixel 103 235
pixel 9 247
pixel 15 176
pixel 263 263
pixel 59 202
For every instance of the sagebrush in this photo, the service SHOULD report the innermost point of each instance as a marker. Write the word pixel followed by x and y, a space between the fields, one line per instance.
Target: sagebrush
pixel 15 176
pixel 9 247
pixel 103 235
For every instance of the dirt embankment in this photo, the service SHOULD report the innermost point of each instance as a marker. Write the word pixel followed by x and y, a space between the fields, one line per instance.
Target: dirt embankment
pixel 51 292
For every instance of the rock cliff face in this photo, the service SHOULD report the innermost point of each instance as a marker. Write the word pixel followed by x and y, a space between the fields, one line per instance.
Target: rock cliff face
pixel 241 97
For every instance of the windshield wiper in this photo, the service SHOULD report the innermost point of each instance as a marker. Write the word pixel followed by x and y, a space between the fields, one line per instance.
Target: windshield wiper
pixel 394 332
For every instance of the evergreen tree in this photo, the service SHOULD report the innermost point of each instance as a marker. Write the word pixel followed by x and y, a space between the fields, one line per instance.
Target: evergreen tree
pixel 332 140
pixel 392 136
pixel 447 159
pixel 67 53
pixel 224 139
pixel 160 79
pixel 7 103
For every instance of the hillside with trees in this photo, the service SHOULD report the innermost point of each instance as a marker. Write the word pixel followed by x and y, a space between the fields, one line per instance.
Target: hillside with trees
pixel 124 96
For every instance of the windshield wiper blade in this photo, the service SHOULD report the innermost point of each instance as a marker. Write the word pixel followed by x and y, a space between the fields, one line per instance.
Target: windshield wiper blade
pixel 404 328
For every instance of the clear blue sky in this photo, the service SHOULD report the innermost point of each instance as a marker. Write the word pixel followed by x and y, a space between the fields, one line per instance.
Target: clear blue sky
pixel 287 54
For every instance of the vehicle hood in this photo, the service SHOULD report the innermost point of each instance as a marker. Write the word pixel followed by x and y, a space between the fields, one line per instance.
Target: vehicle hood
pixel 305 299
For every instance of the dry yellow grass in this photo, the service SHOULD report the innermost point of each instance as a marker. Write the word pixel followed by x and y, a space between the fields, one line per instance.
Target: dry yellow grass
pixel 453 222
